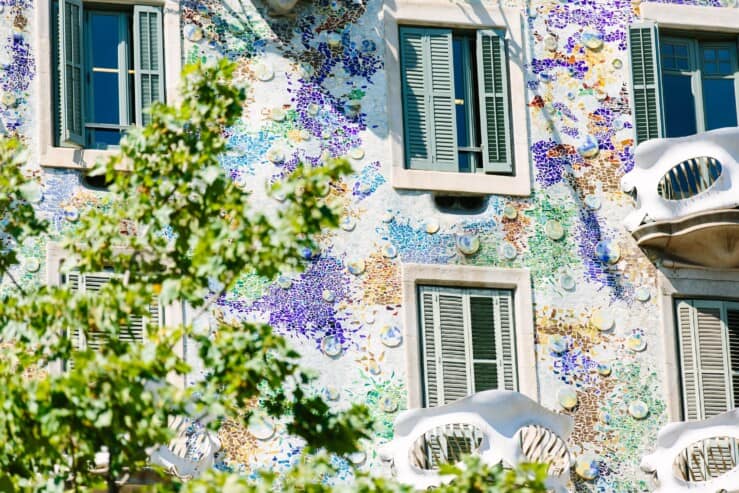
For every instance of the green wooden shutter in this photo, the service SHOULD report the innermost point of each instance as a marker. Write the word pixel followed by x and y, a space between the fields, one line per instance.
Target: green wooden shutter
pixel 71 107
pixel 492 74
pixel 429 116
pixel 732 324
pixel 646 94
pixel 485 343
pixel 148 59
pixel 705 361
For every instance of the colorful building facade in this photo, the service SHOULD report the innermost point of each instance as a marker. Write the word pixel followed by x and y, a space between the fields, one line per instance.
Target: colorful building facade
pixel 488 142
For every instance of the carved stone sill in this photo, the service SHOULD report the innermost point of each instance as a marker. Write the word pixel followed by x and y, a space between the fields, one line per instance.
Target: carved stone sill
pixel 706 239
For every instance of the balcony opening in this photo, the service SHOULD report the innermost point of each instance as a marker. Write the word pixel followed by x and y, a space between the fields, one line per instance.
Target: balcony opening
pixel 706 459
pixel 689 178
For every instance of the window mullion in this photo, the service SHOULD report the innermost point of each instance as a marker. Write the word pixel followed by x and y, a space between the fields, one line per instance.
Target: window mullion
pixel 123 70
pixel 697 84
pixel 88 88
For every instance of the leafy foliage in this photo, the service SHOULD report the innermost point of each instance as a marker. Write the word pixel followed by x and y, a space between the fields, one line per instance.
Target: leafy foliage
pixel 176 229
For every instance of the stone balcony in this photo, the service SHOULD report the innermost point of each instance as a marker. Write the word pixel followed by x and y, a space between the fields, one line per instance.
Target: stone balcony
pixel 687 196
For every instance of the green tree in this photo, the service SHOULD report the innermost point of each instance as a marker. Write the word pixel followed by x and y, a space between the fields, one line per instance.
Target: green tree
pixel 174 229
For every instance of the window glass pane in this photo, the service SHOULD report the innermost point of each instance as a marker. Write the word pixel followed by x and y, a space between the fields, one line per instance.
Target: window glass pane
pixel 683 64
pixel 679 105
pixel 104 37
pixel 668 49
pixel 681 51
pixel 465 162
pixel 709 55
pixel 101 139
pixel 710 68
pixel 723 54
pixel 105 98
pixel 724 68
pixel 461 105
pixel 668 63
pixel 719 103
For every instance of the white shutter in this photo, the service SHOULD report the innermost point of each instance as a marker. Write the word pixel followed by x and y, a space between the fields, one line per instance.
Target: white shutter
pixel 134 332
pixel 704 351
pixel 468 342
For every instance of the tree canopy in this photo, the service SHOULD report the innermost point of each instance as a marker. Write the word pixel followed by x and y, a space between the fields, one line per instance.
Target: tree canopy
pixel 81 406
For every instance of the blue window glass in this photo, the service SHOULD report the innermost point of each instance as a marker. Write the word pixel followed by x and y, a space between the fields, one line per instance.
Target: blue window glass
pixel 104 39
pixel 105 107
pixel 719 100
pixel 465 101
pixel 679 105
pixel 109 100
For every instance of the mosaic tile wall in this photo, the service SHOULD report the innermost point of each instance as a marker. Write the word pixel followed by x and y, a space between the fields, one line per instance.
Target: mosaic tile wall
pixel 317 88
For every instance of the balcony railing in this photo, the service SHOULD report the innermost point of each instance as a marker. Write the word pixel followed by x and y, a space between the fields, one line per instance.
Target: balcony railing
pixel 687 193
pixel 697 456
pixel 500 426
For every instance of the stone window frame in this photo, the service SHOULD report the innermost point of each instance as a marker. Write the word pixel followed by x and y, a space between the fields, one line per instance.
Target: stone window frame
pixel 52 156
pixel 674 284
pixel 467 276
pixel 472 15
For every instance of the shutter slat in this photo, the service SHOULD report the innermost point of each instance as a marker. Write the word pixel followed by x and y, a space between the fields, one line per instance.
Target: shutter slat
pixel 148 55
pixel 428 99
pixel 645 78
pixel 71 105
pixel 494 105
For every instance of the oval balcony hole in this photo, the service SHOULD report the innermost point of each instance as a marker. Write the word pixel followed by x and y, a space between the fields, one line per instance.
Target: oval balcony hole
pixel 460 204
pixel 540 444
pixel 706 459
pixel 445 444
pixel 689 178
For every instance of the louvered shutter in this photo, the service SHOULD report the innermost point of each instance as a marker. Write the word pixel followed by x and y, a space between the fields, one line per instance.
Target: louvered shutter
pixel 69 41
pixel 646 96
pixel 429 117
pixel 468 342
pixel 452 348
pixel 485 342
pixel 429 315
pixel 689 366
pixel 134 332
pixel 492 74
pixel 708 368
pixel 732 324
pixel 505 327
pixel 148 59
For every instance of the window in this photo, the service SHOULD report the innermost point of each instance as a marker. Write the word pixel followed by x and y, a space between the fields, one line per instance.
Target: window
pixel 455 100
pixel 109 69
pixel 682 84
pixel 708 334
pixel 93 283
pixel 467 342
